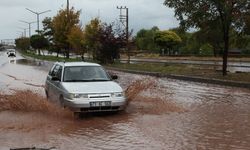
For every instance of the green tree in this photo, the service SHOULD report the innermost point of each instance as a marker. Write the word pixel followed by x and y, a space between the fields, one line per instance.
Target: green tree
pixel 246 28
pixel 210 33
pixel 145 39
pixel 104 40
pixel 185 37
pixel 76 40
pixel 194 13
pixel 206 50
pixel 91 33
pixel 48 30
pixel 39 42
pixel 22 43
pixel 111 40
pixel 167 40
pixel 63 22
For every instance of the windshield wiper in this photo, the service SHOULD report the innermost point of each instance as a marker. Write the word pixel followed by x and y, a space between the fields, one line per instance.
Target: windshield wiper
pixel 90 80
pixel 77 81
pixel 99 80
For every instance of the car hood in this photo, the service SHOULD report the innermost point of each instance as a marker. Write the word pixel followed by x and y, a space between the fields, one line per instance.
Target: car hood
pixel 92 87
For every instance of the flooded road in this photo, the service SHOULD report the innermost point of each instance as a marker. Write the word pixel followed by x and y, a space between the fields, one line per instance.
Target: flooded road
pixel 162 114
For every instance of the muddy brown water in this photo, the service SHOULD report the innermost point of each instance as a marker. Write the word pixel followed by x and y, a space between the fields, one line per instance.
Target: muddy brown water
pixel 168 114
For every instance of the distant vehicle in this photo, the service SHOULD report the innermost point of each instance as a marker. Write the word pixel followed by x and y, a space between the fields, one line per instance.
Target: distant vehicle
pixel 11 53
pixel 84 87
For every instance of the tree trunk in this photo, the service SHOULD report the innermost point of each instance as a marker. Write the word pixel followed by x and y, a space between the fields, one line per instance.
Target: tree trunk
pixel 67 50
pixel 39 52
pixel 67 54
pixel 226 47
pixel 214 51
pixel 82 56
pixel 57 52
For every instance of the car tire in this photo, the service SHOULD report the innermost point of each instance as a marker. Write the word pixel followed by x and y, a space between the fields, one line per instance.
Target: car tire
pixel 47 95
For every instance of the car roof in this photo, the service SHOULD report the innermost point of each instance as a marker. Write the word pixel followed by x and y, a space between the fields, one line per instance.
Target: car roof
pixel 67 64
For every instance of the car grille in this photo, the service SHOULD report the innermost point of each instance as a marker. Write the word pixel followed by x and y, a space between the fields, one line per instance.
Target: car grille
pixel 104 96
pixel 96 109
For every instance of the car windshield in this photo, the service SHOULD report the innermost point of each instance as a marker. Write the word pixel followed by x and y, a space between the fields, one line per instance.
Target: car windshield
pixel 85 74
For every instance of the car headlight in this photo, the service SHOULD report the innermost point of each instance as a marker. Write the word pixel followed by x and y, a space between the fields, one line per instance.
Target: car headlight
pixel 118 94
pixel 72 96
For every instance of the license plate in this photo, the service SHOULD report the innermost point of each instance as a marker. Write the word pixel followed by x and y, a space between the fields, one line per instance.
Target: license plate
pixel 100 104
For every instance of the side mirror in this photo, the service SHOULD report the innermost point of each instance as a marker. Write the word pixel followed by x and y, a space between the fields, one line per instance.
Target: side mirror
pixel 55 78
pixel 114 77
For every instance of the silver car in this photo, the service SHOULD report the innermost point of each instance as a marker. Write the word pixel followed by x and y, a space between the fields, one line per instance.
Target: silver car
pixel 84 87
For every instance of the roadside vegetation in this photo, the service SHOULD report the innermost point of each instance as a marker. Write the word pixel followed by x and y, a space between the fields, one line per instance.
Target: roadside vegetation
pixel 221 35
pixel 203 71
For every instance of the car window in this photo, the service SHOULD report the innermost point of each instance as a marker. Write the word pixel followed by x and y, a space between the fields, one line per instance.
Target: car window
pixel 59 73
pixel 55 70
pixel 85 73
pixel 51 70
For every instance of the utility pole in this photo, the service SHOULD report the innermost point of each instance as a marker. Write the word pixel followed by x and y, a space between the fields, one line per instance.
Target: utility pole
pixel 125 21
pixel 38 14
pixel 29 23
pixel 67 26
pixel 67 6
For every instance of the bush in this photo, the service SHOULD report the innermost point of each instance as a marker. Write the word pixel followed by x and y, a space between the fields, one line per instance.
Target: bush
pixel 206 50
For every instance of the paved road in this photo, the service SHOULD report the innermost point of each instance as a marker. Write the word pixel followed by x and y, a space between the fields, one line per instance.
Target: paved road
pixel 169 114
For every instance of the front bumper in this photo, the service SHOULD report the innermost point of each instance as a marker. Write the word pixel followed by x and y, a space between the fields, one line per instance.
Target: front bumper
pixel 83 105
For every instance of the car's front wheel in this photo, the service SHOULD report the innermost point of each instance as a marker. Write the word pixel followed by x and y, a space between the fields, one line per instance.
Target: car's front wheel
pixel 47 95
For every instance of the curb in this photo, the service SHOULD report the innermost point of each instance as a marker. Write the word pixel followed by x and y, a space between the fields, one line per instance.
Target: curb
pixel 186 78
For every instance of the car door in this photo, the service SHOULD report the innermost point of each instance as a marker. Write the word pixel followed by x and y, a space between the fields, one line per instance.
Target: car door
pixel 48 84
pixel 57 84
pixel 52 84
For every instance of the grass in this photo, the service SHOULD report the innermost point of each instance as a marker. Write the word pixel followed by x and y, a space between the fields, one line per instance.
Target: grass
pixel 176 69
pixel 197 58
pixel 241 77
pixel 183 69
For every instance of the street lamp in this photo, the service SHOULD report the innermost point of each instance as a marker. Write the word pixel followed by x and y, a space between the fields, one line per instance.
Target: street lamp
pixel 24 31
pixel 29 26
pixel 20 33
pixel 38 13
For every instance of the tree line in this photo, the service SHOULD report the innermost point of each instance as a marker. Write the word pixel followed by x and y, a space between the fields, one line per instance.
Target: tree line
pixel 202 42
pixel 219 25
pixel 64 34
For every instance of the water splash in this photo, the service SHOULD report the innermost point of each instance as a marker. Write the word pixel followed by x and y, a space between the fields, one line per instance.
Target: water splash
pixel 27 101
pixel 140 103
pixel 138 86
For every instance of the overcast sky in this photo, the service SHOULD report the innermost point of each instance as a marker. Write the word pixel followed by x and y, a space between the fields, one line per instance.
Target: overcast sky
pixel 142 13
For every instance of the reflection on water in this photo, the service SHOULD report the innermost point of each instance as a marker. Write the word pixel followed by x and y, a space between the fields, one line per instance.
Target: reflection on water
pixel 30 62
pixel 42 65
